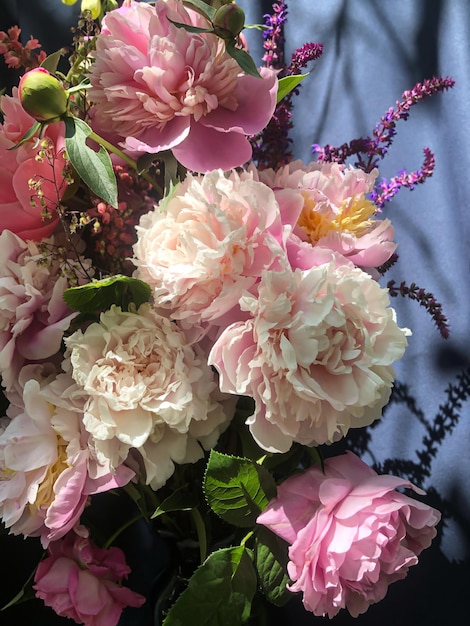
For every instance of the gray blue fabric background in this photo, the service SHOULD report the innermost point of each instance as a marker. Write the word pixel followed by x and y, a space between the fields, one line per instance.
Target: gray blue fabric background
pixel 373 51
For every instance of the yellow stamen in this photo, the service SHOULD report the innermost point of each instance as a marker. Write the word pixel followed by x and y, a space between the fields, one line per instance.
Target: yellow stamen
pixel 353 216
pixel 45 494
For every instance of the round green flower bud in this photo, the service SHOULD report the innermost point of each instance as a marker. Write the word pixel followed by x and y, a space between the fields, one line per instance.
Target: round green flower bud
pixel 42 95
pixel 230 19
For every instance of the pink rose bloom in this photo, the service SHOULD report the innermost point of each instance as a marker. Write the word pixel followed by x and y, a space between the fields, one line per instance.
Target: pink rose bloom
pixel 163 88
pixel 33 314
pixel 47 470
pixel 316 354
pixel 22 204
pixel 335 212
pixel 208 242
pixel 350 533
pixel 83 582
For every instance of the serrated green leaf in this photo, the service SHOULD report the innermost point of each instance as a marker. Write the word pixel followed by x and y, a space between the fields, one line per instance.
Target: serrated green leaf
pixel 237 489
pixel 201 7
pixel 180 500
pixel 99 295
pixel 94 168
pixel 271 559
pixel 220 591
pixel 288 84
pixel 243 59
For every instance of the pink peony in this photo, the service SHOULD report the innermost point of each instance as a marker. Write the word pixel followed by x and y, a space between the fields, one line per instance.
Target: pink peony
pixel 31 177
pixel 334 211
pixel 33 314
pixel 46 466
pixel 207 243
pixel 83 582
pixel 351 533
pixel 316 354
pixel 162 88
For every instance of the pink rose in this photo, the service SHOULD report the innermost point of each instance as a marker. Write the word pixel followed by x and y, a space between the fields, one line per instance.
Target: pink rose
pixel 163 88
pixel 31 177
pixel 351 533
pixel 83 582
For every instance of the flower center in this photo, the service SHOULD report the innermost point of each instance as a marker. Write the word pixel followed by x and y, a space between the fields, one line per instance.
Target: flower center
pixel 352 216
pixel 45 494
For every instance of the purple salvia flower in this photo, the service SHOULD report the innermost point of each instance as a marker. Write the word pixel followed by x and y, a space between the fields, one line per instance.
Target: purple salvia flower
pixel 302 57
pixel 274 36
pixel 272 147
pixel 425 299
pixel 375 148
pixel 385 191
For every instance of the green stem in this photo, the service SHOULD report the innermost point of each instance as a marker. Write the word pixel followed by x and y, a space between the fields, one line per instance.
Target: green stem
pixel 201 533
pixel 246 537
pixel 114 536
pixel 109 146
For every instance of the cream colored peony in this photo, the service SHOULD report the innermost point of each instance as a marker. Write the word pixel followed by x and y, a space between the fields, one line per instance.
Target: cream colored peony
pixel 146 388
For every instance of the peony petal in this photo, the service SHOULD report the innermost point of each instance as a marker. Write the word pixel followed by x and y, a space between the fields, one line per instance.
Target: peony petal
pixel 206 149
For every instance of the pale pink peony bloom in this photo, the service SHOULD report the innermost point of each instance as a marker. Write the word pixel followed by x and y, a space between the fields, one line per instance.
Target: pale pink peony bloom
pixel 21 208
pixel 83 582
pixel 334 211
pixel 208 243
pixel 147 390
pixel 351 533
pixel 33 314
pixel 316 355
pixel 162 88
pixel 47 471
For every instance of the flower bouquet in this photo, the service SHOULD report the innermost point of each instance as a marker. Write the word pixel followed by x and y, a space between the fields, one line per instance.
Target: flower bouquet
pixel 189 317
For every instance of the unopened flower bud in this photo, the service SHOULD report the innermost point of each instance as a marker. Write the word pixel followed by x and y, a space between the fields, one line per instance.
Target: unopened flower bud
pixel 94 6
pixel 230 19
pixel 42 95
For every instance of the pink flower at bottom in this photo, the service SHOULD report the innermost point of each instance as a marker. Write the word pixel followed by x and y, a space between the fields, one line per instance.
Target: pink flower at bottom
pixel 83 582
pixel 351 533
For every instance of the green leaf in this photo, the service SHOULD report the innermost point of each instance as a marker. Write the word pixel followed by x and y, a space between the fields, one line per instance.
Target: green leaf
pixel 51 62
pixel 201 7
pixel 94 168
pixel 288 84
pixel 271 563
pixel 99 295
pixel 243 59
pixel 220 591
pixel 37 126
pixel 190 28
pixel 179 500
pixel 85 84
pixel 237 489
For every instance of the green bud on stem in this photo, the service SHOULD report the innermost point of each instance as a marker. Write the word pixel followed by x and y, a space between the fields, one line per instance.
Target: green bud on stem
pixel 42 95
pixel 230 20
